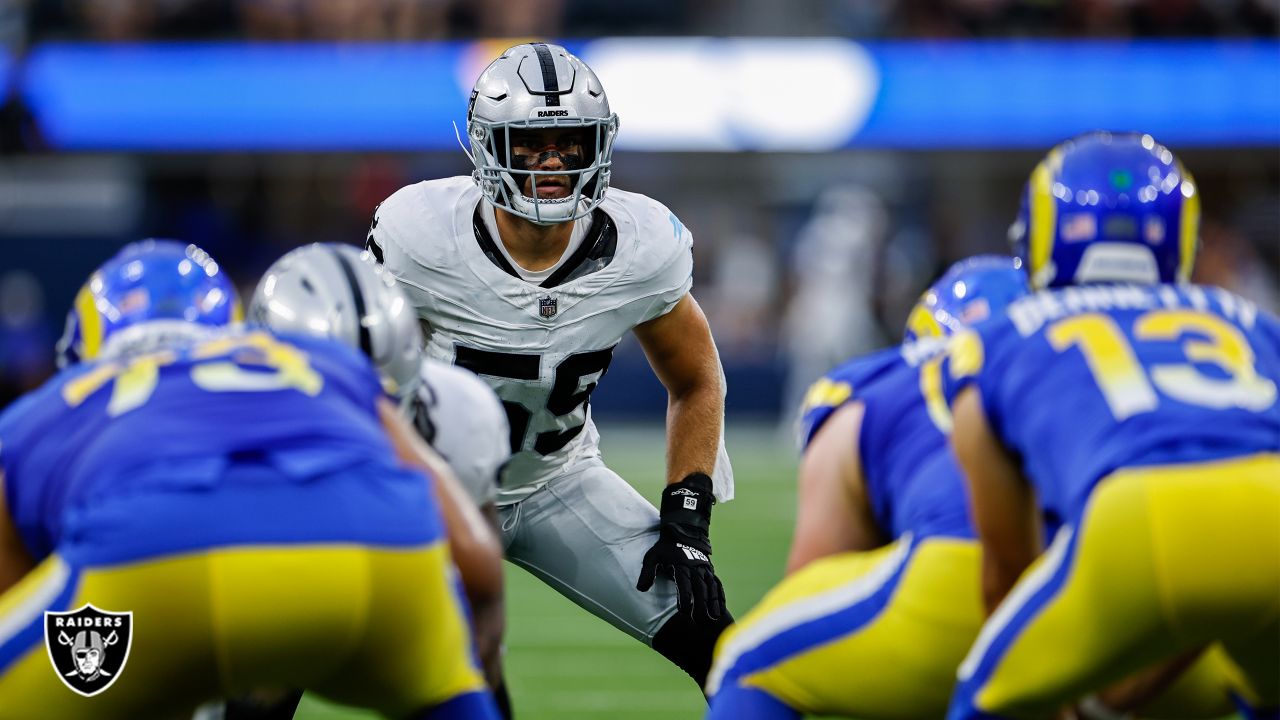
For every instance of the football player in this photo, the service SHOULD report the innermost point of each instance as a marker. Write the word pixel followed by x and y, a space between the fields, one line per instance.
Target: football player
pixel 881 599
pixel 528 274
pixel 256 503
pixel 335 291
pixel 1139 413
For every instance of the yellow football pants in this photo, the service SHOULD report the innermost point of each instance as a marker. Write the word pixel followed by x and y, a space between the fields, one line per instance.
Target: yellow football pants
pixel 376 627
pixel 1166 559
pixel 871 635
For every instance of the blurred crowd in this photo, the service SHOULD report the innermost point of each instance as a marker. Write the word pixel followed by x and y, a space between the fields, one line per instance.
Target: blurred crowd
pixel 24 21
pixel 801 260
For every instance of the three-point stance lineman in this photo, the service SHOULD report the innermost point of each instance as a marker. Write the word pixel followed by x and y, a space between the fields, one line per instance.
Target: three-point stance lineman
pixel 528 275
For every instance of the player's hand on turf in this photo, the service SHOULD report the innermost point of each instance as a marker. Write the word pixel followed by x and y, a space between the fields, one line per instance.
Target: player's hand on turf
pixel 683 550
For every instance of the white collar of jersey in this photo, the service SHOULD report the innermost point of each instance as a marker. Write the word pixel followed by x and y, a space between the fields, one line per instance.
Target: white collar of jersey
pixel 580 229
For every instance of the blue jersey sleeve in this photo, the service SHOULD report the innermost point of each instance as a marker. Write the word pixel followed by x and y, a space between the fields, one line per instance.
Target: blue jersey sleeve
pixel 33 434
pixel 836 388
pixel 979 357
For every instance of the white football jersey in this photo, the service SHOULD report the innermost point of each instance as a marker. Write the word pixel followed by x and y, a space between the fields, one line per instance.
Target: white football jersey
pixel 468 426
pixel 542 348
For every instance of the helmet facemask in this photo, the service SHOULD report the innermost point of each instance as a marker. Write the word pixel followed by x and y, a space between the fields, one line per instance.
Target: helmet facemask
pixel 502 174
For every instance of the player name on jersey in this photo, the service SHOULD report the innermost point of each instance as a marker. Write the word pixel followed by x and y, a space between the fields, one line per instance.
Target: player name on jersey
pixel 1032 313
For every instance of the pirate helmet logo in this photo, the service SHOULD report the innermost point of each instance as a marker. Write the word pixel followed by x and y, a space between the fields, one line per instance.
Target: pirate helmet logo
pixel 88 647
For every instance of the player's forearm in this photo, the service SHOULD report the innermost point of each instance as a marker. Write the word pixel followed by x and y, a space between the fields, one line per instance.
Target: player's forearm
pixel 1142 687
pixel 683 355
pixel 14 565
pixel 473 543
pixel 833 512
pixel 489 619
pixel 488 613
pixel 695 417
pixel 1010 544
pixel 998 578
pixel 1002 503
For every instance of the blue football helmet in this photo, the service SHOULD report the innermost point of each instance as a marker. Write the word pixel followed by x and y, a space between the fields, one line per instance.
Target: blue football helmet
pixel 969 292
pixel 1106 207
pixel 165 284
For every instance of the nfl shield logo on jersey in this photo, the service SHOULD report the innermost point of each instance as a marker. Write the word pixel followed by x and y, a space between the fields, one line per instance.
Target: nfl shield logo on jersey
pixel 88 647
pixel 547 307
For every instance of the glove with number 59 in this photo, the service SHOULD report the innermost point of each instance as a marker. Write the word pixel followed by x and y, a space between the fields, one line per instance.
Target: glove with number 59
pixel 683 550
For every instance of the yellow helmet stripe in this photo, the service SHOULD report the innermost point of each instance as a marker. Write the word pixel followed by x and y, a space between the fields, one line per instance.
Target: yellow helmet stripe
pixel 1044 211
pixel 1188 227
pixel 90 323
pixel 923 323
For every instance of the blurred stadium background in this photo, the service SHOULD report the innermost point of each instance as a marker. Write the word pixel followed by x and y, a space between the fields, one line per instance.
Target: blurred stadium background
pixel 830 156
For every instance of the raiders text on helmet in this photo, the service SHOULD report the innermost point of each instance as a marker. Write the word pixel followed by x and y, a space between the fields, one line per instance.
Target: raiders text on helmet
pixel 540 86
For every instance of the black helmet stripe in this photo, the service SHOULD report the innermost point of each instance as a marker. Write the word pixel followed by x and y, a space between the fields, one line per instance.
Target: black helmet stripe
pixel 550 83
pixel 357 300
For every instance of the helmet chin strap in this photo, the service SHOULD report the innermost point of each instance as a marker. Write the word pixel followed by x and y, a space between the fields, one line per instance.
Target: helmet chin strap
pixel 536 210
pixel 457 135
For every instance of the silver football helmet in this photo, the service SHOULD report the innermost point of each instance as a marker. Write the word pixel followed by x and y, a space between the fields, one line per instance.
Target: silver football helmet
pixel 540 86
pixel 336 291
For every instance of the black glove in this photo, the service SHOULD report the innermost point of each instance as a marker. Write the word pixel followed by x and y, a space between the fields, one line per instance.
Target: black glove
pixel 683 550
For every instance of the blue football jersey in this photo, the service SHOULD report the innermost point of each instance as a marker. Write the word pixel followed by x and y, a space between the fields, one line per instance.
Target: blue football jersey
pixel 836 388
pixel 1082 381
pixel 913 482
pixel 174 421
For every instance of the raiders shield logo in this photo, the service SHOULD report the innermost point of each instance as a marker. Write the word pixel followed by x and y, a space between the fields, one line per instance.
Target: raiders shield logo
pixel 547 307
pixel 88 647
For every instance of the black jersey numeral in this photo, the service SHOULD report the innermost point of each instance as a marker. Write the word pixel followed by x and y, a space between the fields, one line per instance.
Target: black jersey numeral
pixel 568 393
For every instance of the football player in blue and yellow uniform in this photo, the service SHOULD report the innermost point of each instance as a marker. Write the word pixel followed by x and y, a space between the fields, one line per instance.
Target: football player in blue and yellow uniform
pixel 881 601
pixel 239 493
pixel 1138 411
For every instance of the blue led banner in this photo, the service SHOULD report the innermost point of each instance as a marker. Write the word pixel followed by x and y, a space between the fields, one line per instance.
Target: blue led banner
pixel 255 97
pixel 1033 94
pixel 694 94
pixel 6 74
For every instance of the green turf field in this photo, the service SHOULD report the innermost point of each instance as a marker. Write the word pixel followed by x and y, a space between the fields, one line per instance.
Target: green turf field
pixel 562 663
